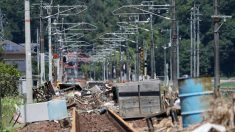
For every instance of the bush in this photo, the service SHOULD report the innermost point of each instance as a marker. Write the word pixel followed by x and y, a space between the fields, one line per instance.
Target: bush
pixel 9 77
pixel 8 110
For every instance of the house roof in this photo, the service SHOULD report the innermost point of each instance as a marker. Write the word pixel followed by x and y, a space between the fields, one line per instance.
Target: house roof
pixel 11 47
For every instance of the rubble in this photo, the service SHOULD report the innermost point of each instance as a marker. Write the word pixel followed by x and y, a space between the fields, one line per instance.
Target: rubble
pixel 209 127
pixel 45 126
pixel 92 102
pixel 221 113
pixel 94 122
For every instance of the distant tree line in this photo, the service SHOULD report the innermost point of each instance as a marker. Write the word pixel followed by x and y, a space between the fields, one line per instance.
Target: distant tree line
pixel 100 14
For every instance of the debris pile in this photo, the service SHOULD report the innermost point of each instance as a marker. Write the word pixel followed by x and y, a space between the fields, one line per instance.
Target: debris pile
pixel 92 101
pixel 94 122
pixel 221 113
pixel 45 126
pixel 90 98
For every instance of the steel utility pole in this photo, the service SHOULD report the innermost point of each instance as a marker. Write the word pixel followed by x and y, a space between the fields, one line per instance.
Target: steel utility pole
pixel 198 43
pixel 137 56
pixel 216 49
pixel 152 48
pixel 191 45
pixel 42 54
pixel 127 62
pixel 49 45
pixel 170 45
pixel 1 26
pixel 29 81
pixel 174 47
pixel 0 108
pixel 194 40
pixel 120 62
pixel 38 58
pixel 178 52
pixel 104 70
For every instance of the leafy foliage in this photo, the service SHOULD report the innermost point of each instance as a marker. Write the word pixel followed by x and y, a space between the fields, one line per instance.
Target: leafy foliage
pixel 9 77
pixel 100 14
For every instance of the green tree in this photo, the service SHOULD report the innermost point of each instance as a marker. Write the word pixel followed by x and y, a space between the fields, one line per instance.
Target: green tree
pixel 9 77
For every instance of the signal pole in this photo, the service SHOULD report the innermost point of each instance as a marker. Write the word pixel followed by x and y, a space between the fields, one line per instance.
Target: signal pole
pixel 29 81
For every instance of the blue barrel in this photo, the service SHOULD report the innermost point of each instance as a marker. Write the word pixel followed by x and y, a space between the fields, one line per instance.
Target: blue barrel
pixel 195 96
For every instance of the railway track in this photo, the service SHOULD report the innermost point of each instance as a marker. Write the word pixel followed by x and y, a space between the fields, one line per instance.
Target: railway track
pixel 109 121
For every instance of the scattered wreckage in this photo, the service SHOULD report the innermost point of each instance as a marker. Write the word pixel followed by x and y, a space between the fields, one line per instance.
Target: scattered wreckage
pixel 139 106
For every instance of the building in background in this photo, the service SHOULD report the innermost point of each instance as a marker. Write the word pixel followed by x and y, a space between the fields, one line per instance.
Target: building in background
pixel 13 54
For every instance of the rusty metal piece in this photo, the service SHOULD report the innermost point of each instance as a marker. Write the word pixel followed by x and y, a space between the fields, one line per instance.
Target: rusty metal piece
pixel 233 107
pixel 108 121
pixel 121 121
pixel 75 121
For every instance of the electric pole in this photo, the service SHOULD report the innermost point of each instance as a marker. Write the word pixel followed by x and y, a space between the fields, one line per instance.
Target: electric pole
pixel 1 26
pixel 198 43
pixel 29 81
pixel 42 54
pixel 137 56
pixel 0 108
pixel 49 44
pixel 216 49
pixel 178 52
pixel 127 62
pixel 174 47
pixel 38 57
pixel 191 45
pixel 152 49
pixel 120 62
pixel 194 40
pixel 216 19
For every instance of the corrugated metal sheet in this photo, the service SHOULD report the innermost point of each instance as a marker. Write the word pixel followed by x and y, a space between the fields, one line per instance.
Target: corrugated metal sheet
pixel 52 110
pixel 57 110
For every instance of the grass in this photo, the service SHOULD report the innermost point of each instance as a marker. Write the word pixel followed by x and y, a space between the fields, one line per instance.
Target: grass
pixel 228 85
pixel 8 109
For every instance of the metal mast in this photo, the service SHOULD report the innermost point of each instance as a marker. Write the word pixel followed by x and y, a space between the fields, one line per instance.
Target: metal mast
pixel 194 40
pixel 42 54
pixel 1 26
pixel 174 47
pixel 49 44
pixel 198 43
pixel 178 52
pixel 191 46
pixel 152 48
